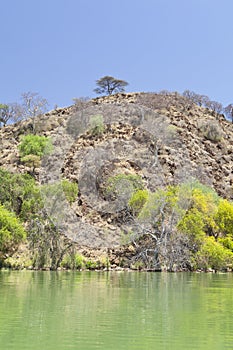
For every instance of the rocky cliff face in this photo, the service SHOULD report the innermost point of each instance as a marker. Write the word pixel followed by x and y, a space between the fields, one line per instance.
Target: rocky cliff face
pixel 164 138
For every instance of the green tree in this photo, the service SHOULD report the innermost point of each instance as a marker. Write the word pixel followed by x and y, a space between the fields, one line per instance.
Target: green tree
pixel 5 114
pixel 224 218
pixel 137 200
pixel 213 255
pixel 34 145
pixel 19 193
pixel 12 233
pixel 32 148
pixel 109 85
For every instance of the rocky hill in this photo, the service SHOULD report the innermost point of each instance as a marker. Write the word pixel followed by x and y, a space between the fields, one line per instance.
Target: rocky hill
pixel 164 138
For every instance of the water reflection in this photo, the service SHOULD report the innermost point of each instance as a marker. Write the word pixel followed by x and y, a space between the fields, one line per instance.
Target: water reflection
pixel 115 310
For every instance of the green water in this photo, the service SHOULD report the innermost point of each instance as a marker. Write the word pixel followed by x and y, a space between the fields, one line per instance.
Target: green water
pixel 115 310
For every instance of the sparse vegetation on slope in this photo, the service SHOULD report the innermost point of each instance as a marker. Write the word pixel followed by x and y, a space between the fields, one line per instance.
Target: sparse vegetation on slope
pixel 117 186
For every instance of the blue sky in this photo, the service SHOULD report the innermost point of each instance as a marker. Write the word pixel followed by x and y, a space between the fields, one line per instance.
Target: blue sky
pixel 59 48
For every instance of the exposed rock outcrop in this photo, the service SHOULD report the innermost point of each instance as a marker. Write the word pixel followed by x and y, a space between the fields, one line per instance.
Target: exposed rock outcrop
pixel 163 138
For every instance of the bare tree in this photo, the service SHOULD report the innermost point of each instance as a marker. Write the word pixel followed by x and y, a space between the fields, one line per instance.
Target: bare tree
pixel 33 104
pixel 214 106
pixel 200 100
pixel 229 111
pixel 108 85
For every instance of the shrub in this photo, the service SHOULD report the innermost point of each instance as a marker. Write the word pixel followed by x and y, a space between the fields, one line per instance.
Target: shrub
pixel 31 161
pixel 65 189
pixel 211 131
pixel 213 255
pixel 70 190
pixel 73 261
pixel 97 125
pixel 123 184
pixel 34 145
pixel 137 200
pixel 19 193
pixel 11 232
pixel 224 217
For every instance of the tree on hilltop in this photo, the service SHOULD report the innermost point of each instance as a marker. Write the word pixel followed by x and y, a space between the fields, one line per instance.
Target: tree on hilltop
pixel 108 85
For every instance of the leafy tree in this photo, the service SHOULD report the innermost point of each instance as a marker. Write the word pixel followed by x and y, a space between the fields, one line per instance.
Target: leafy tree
pixel 19 193
pixel 47 242
pixel 11 233
pixel 5 115
pixel 213 254
pixel 137 201
pixel 34 145
pixel 109 85
pixel 224 218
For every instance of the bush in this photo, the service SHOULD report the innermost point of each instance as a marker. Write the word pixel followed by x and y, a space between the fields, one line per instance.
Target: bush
pixel 211 131
pixel 19 193
pixel 213 255
pixel 224 217
pixel 11 232
pixel 70 190
pixel 64 190
pixel 138 200
pixel 34 145
pixel 123 184
pixel 73 261
pixel 97 125
pixel 31 161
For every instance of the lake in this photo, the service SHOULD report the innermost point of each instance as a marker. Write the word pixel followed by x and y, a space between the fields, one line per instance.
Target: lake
pixel 115 310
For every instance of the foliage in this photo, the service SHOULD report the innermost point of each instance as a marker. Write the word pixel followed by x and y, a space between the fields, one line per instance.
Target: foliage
pixel 47 243
pixel 97 125
pixel 65 188
pixel 4 114
pixel 19 193
pixel 11 232
pixel 70 190
pixel 227 242
pixel 137 200
pixel 186 223
pixel 109 85
pixel 32 161
pixel 160 203
pixel 34 145
pixel 224 218
pixel 213 254
pixel 73 261
pixel 199 217
pixel 211 131
pixel 123 185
